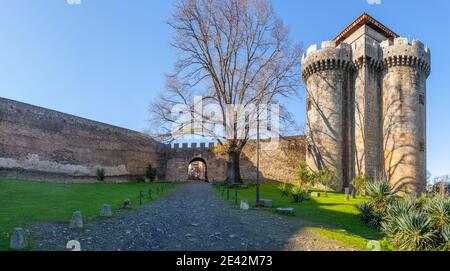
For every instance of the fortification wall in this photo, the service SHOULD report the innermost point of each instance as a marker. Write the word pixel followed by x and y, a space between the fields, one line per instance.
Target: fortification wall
pixel 42 144
pixel 278 164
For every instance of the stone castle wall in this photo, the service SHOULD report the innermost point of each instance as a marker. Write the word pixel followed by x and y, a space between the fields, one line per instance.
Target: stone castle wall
pixel 42 144
pixel 278 164
pixel 46 145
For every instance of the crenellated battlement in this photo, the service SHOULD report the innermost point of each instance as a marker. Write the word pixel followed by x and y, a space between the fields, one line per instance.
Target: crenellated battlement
pixel 401 52
pixel 192 146
pixel 327 57
pixel 366 90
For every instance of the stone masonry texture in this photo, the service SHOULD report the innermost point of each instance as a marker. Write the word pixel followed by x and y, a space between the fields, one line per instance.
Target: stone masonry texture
pixel 366 106
pixel 42 144
pixel 46 145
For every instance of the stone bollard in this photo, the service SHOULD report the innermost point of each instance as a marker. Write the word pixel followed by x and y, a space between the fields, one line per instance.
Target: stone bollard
pixel 18 239
pixel 106 211
pixel 347 193
pixel 244 205
pixel 77 221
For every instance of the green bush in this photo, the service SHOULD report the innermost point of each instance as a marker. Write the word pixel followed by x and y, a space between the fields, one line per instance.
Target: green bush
pixel 438 208
pixel 415 232
pixel 445 237
pixel 360 184
pixel 100 174
pixel 285 189
pixel 304 175
pixel 415 223
pixel 380 195
pixel 150 173
pixel 327 178
pixel 140 179
pixel 298 193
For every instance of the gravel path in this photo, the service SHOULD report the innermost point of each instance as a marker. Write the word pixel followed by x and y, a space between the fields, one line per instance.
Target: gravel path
pixel 190 218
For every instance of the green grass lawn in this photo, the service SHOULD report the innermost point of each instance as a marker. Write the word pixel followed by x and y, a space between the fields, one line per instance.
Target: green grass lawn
pixel 25 202
pixel 337 217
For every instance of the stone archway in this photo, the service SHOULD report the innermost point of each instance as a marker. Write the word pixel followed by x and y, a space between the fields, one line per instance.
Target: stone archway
pixel 197 170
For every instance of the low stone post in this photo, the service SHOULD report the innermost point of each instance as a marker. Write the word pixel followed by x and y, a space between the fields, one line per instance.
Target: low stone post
pixel 18 240
pixel 106 211
pixel 347 193
pixel 244 205
pixel 77 221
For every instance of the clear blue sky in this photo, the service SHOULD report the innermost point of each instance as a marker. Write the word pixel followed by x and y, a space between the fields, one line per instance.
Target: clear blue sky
pixel 106 59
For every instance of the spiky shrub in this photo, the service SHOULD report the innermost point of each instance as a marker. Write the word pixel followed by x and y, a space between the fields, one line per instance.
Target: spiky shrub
pixel 445 237
pixel 360 184
pixel 415 232
pixel 100 174
pixel 365 212
pixel 438 208
pixel 417 223
pixel 284 190
pixel 380 194
pixel 397 208
pixel 298 193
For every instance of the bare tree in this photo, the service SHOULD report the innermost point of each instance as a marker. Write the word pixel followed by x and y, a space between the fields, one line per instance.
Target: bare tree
pixel 236 55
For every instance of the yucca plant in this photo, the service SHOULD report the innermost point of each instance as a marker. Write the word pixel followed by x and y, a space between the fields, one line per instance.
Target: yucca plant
pixel 365 212
pixel 445 238
pixel 415 232
pixel 380 193
pixel 438 208
pixel 389 226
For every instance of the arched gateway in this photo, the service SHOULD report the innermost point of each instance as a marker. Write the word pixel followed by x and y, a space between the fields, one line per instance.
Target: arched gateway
pixel 198 170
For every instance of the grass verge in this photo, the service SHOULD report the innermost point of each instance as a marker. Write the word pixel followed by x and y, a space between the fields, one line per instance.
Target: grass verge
pixel 336 217
pixel 25 202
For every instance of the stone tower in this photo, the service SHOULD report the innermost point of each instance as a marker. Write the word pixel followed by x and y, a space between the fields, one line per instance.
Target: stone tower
pixel 366 96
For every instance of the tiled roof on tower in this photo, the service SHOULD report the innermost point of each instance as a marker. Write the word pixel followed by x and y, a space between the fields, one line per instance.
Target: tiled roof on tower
pixel 365 19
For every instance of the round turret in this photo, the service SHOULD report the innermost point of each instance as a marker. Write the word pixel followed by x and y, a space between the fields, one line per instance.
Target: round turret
pixel 406 68
pixel 327 74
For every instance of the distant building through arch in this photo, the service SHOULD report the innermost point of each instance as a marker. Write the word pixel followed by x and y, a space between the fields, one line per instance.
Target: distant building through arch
pixel 197 170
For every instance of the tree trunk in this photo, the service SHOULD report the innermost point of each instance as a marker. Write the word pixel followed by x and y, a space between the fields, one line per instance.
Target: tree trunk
pixel 233 168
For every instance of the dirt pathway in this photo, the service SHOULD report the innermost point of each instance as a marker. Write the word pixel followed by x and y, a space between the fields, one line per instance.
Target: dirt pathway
pixel 190 218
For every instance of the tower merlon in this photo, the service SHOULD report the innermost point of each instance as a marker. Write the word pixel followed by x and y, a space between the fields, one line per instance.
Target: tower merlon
pixel 401 52
pixel 328 56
